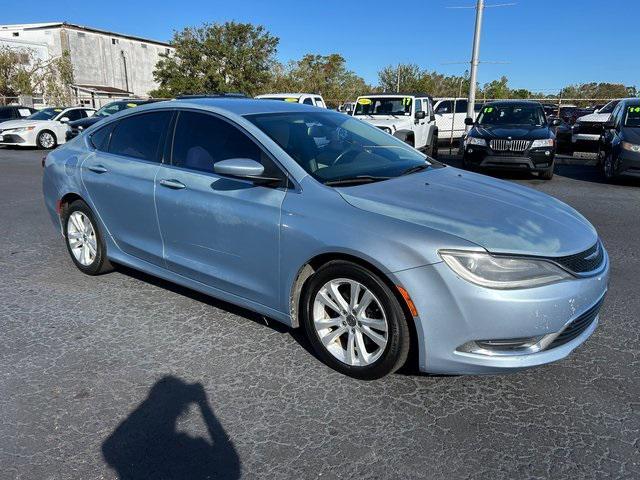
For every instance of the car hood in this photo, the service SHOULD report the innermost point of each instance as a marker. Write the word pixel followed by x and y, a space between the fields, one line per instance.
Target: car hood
pixel 594 117
pixel 394 123
pixel 501 217
pixel 516 132
pixel 20 123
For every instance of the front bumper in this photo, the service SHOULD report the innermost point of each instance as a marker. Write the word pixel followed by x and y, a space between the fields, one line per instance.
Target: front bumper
pixel 453 312
pixel 533 159
pixel 628 163
pixel 22 139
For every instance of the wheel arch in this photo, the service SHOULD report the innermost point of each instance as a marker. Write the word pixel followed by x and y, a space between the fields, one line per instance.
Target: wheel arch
pixel 405 135
pixel 306 271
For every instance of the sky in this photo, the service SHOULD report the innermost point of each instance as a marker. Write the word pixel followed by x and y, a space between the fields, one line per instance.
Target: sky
pixel 546 44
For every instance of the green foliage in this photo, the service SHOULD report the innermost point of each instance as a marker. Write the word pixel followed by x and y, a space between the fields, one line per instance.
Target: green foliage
pixel 323 74
pixel 23 73
pixel 413 79
pixel 214 58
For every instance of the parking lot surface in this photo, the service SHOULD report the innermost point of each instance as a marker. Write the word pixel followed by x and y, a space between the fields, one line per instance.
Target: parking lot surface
pixel 127 376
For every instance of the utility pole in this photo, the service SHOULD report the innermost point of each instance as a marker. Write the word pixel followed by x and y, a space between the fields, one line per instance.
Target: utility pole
pixel 475 59
pixel 398 79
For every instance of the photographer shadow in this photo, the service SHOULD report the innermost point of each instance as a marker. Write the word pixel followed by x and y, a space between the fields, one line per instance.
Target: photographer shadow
pixel 147 445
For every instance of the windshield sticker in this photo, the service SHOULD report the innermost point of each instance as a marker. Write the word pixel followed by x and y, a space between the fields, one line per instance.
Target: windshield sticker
pixel 131 105
pixel 291 100
pixel 406 101
pixel 57 109
pixel 634 109
pixel 364 101
pixel 488 110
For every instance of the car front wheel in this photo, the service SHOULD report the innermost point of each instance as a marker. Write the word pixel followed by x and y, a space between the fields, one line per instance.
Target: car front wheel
pixel 84 241
pixel 608 167
pixel 46 140
pixel 354 321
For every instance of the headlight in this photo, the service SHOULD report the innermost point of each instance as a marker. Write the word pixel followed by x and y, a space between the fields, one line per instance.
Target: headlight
pixel 21 129
pixel 546 142
pixel 631 147
pixel 475 141
pixel 503 272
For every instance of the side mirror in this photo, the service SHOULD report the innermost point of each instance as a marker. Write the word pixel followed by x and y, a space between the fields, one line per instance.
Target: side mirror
pixel 64 119
pixel 468 121
pixel 420 115
pixel 608 125
pixel 556 122
pixel 244 168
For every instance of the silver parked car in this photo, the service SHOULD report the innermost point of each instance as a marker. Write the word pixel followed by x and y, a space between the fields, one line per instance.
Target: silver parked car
pixel 324 222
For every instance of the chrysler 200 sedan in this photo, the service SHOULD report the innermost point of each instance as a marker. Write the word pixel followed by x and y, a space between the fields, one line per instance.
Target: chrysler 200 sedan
pixel 321 221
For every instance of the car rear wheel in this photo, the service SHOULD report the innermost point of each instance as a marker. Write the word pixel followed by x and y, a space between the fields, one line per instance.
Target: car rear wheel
pixel 354 321
pixel 83 238
pixel 46 140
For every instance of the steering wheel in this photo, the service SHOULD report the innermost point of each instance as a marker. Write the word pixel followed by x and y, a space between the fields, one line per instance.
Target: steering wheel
pixel 347 156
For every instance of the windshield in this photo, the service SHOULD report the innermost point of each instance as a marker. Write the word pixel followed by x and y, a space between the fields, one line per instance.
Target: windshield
pixel 333 147
pixel 112 108
pixel 517 114
pixel 633 117
pixel 46 114
pixel 608 108
pixel 384 106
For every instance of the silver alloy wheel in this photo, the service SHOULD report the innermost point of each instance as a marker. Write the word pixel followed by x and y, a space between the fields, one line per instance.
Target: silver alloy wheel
pixel 81 237
pixel 350 322
pixel 47 140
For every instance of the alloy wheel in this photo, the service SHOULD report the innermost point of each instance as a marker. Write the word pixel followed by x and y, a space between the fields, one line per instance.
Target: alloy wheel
pixel 350 322
pixel 47 140
pixel 82 238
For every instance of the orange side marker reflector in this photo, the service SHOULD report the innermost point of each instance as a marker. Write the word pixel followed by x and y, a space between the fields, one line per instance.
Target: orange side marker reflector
pixel 407 299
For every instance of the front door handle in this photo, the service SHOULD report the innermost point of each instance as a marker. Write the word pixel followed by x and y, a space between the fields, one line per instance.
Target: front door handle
pixel 174 184
pixel 97 169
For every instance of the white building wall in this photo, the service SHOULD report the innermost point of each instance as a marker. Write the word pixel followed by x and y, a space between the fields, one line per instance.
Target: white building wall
pixel 96 59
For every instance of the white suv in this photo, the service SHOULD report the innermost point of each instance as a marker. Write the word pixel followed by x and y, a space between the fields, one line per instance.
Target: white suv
pixel 450 115
pixel 305 98
pixel 407 117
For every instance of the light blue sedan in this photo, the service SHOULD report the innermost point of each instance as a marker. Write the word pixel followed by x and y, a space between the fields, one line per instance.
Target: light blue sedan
pixel 321 221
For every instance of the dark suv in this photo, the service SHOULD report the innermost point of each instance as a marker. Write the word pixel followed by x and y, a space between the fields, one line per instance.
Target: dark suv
pixel 15 112
pixel 621 140
pixel 511 134
pixel 76 128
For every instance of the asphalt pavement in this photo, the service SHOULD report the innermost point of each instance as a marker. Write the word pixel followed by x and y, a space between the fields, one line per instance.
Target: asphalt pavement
pixel 127 376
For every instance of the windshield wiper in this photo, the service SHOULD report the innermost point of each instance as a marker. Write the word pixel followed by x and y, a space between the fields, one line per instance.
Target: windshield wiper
pixel 355 180
pixel 414 169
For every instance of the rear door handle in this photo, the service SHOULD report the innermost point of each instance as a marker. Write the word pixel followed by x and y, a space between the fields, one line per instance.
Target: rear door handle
pixel 97 169
pixel 174 184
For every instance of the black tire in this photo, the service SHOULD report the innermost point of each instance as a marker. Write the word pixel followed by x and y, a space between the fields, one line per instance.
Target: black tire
pixel 43 142
pixel 547 174
pixel 396 350
pixel 100 263
pixel 433 148
pixel 608 167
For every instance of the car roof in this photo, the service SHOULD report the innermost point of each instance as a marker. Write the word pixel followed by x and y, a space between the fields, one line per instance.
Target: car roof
pixel 512 102
pixel 237 106
pixel 401 94
pixel 631 101
pixel 291 95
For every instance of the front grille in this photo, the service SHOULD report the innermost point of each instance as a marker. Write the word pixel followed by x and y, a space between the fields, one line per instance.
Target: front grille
pixel 579 325
pixel 503 145
pixel 583 262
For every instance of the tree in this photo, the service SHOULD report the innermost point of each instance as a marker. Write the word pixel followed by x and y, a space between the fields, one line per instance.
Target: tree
pixel 323 74
pixel 22 72
pixel 216 58
pixel 413 79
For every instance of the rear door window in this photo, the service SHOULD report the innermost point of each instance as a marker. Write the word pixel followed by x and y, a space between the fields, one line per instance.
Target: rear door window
pixel 308 101
pixel 72 115
pixel 461 106
pixel 100 138
pixel 140 136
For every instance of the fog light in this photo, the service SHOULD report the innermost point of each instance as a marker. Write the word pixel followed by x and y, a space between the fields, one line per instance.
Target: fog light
pixel 547 153
pixel 470 150
pixel 507 346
